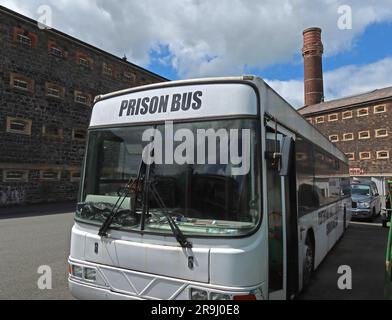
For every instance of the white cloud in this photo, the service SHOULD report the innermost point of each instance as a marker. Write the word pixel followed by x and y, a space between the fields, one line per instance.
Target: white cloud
pixel 342 82
pixel 207 37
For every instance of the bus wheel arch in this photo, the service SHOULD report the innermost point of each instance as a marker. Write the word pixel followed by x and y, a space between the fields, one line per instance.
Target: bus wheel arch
pixel 309 258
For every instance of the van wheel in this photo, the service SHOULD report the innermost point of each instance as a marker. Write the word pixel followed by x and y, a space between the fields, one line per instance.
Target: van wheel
pixel 308 267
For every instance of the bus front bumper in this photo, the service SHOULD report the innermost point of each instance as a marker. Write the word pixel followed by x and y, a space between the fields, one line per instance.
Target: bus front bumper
pixel 91 281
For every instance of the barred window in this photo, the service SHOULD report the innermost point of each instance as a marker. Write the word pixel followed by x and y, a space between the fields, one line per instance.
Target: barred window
pixel 23 39
pixel 363 112
pixel 19 126
pixel 83 62
pixel 107 69
pixel 82 98
pixel 381 133
pixel 320 119
pixel 365 155
pixel 383 154
pixel 348 136
pixel 50 175
pixel 20 82
pixel 380 109
pixel 364 135
pixel 347 115
pixel 350 156
pixel 333 117
pixel 57 52
pixel 334 138
pixel 15 175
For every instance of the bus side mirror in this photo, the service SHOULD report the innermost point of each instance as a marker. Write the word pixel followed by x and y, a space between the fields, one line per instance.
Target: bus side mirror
pixel 287 156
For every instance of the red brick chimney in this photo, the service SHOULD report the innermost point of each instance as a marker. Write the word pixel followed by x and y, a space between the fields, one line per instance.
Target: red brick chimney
pixel 313 66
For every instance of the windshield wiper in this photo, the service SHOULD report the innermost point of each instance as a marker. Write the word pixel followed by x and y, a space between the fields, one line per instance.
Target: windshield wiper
pixel 180 237
pixel 103 231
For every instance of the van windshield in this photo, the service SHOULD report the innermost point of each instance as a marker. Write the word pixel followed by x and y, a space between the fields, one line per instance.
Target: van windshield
pixel 360 189
pixel 207 177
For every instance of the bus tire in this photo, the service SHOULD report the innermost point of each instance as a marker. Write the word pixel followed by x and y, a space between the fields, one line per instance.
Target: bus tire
pixel 308 265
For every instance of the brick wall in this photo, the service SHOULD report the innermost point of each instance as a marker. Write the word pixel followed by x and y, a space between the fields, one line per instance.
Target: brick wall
pixel 371 122
pixel 36 152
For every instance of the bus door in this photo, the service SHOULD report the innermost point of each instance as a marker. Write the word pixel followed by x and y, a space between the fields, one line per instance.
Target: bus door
pixel 282 223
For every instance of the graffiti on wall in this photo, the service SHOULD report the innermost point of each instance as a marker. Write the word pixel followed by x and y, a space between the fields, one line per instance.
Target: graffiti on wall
pixel 12 195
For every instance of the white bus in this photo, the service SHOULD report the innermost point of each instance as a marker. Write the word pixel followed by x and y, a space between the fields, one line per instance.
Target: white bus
pixel 199 230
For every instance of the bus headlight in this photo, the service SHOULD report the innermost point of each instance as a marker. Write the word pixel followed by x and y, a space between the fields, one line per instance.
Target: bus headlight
pixel 219 296
pixel 197 294
pixel 77 271
pixel 83 273
pixel 90 274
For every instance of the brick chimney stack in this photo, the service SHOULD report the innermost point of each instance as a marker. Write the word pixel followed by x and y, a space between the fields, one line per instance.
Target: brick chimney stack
pixel 313 66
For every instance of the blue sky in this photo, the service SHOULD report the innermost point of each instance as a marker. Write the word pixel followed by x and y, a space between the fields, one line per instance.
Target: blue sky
pixel 182 39
pixel 373 45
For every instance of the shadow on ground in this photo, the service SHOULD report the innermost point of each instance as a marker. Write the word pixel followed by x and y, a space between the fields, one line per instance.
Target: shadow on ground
pixel 37 210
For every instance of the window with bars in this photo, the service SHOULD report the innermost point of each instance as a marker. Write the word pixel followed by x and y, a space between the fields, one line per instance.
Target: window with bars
pixel 384 154
pixel 350 156
pixel 365 155
pixel 347 115
pixel 381 133
pixel 82 98
pixel 50 175
pixel 334 138
pixel 348 136
pixel 320 119
pixel 107 69
pixel 15 175
pixel 57 52
pixel 363 112
pixel 380 109
pixel 24 40
pixel 55 91
pixel 364 135
pixel 333 117
pixel 21 82
pixel 19 126
pixel 83 62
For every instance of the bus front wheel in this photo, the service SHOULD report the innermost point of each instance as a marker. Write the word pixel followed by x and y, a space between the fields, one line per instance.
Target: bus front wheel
pixel 308 262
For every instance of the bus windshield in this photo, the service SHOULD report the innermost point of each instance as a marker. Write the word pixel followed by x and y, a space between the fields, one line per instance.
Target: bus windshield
pixel 205 191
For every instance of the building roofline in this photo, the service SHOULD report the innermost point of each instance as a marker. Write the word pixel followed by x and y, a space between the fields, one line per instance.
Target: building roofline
pixel 348 106
pixel 302 110
pixel 78 41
